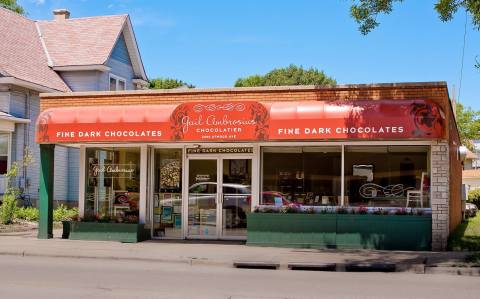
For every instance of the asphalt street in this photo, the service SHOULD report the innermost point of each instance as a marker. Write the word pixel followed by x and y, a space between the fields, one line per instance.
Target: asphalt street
pixel 42 277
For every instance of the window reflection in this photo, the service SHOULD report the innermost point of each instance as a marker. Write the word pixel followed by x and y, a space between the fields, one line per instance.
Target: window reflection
pixel 301 176
pixel 112 183
pixel 386 176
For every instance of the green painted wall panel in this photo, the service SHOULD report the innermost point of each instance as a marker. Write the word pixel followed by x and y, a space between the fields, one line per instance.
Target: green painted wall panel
pixel 291 230
pixel 45 221
pixel 121 232
pixel 343 231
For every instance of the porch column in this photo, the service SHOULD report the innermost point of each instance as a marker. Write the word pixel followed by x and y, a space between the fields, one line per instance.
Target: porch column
pixel 45 222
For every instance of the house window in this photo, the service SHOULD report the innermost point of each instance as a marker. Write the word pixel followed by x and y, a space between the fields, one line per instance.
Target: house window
pixel 117 83
pixel 4 138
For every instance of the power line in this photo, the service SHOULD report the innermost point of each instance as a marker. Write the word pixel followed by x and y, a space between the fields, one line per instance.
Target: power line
pixel 463 56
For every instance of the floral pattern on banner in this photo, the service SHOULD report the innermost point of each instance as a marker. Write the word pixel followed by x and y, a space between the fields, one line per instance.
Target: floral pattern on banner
pixel 42 127
pixel 261 116
pixel 428 118
pixel 176 122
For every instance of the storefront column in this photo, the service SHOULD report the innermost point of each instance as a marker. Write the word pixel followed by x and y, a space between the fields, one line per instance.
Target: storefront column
pixel 45 223
pixel 342 178
pixel 440 195
pixel 143 184
pixel 81 184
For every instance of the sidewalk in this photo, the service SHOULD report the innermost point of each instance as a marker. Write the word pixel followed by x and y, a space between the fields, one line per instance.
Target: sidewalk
pixel 223 253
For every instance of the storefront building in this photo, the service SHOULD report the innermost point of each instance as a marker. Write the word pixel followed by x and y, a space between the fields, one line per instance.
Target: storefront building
pixel 194 163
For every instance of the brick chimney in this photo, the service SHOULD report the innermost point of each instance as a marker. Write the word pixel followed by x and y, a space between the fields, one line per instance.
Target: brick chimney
pixel 61 14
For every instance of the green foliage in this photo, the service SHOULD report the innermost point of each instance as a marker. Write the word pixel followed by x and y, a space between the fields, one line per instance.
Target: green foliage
pixel 27 213
pixel 168 83
pixel 466 236
pixel 7 209
pixel 291 75
pixel 12 5
pixel 63 213
pixel 468 122
pixel 473 258
pixel 474 197
pixel 447 8
pixel 365 12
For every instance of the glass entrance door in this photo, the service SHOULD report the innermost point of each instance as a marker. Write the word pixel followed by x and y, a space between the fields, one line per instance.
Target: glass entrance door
pixel 219 197
pixel 236 196
pixel 202 198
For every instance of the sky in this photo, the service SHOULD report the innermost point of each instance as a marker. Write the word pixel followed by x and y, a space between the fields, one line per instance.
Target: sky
pixel 213 43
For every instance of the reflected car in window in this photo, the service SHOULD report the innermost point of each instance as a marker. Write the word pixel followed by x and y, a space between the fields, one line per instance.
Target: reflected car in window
pixel 470 210
pixel 208 190
pixel 275 198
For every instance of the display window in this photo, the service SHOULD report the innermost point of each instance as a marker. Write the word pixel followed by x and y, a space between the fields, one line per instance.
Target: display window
pixel 167 194
pixel 112 184
pixel 301 176
pixel 387 176
pixel 374 176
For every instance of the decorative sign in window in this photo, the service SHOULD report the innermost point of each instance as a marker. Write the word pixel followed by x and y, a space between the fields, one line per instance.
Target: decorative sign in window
pixel 202 178
pixel 363 170
pixel 113 170
pixel 170 173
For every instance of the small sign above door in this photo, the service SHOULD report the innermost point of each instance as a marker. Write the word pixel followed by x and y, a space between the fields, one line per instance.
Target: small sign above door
pixel 220 150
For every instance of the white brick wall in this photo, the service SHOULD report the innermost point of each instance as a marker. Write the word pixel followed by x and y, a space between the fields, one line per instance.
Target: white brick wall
pixel 440 195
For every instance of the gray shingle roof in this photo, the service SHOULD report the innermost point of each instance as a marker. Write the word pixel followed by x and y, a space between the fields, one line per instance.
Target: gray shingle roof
pixel 21 52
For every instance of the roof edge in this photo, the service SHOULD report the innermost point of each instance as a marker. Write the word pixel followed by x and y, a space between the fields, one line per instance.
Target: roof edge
pixel 8 117
pixel 134 54
pixel 29 85
pixel 295 88
pixel 81 67
pixel 44 46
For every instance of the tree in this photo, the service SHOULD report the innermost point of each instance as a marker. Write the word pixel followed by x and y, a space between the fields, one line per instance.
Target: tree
pixel 365 12
pixel 291 75
pixel 12 5
pixel 468 121
pixel 168 83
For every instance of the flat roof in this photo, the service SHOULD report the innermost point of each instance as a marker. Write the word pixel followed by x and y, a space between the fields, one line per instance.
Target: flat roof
pixel 248 89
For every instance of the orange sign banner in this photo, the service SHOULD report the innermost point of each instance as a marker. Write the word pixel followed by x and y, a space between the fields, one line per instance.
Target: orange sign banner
pixel 214 121
pixel 243 121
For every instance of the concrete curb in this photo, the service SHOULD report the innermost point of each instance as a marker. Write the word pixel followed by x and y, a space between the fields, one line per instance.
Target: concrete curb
pixel 298 266
pixel 189 261
pixel 449 270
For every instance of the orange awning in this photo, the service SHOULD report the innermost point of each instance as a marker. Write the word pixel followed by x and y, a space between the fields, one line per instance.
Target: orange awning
pixel 243 121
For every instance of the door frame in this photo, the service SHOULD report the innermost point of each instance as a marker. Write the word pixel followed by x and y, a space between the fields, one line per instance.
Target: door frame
pixel 219 211
pixel 255 156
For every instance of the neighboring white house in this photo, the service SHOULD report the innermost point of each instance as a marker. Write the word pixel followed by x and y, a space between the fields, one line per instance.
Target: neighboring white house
pixel 60 55
pixel 471 170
